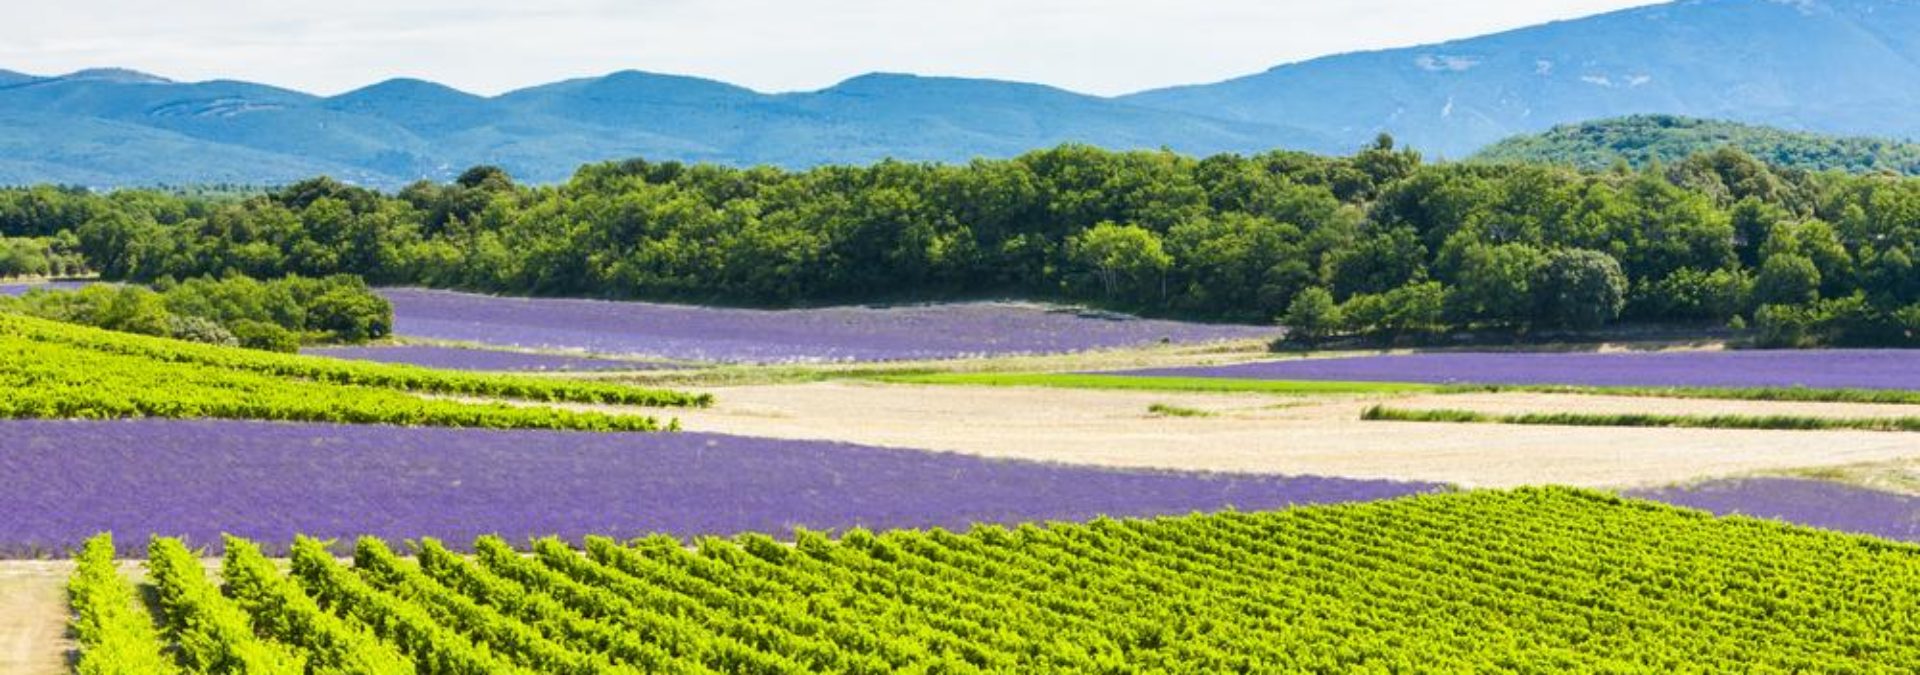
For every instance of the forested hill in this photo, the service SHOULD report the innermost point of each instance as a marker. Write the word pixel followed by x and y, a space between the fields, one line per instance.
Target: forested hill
pixel 1377 242
pixel 1641 139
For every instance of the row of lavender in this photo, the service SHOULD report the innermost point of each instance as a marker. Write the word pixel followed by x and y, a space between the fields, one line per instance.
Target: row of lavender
pixel 1822 369
pixel 834 334
pixel 63 480
pixel 638 335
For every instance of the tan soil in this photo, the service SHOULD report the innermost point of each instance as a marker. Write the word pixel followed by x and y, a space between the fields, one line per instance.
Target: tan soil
pixel 33 617
pixel 1273 434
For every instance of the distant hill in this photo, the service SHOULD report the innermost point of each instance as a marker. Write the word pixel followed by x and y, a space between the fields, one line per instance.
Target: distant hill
pixel 118 127
pixel 1828 66
pixel 1837 66
pixel 1639 139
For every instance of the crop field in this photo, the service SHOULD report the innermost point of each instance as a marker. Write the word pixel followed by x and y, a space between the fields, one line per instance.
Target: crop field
pixel 860 493
pixel 1813 368
pixel 1537 580
pixel 56 370
pixel 490 360
pixel 1817 503
pixel 761 336
pixel 61 481
pixel 13 288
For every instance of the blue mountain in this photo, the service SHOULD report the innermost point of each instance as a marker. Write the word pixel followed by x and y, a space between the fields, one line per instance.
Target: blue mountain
pixel 1837 66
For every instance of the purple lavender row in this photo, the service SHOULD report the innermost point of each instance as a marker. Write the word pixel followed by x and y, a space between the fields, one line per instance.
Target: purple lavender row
pixel 61 481
pixel 18 288
pixel 692 333
pixel 1816 368
pixel 458 358
pixel 1815 503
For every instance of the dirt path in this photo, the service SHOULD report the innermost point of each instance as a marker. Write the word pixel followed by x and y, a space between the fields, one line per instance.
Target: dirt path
pixel 33 617
pixel 1257 433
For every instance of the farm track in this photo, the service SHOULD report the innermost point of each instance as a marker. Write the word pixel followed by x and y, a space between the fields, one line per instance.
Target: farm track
pixel 1294 435
pixel 33 616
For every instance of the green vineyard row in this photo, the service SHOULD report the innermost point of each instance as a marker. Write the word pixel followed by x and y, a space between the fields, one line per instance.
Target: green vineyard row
pixel 50 370
pixel 1534 580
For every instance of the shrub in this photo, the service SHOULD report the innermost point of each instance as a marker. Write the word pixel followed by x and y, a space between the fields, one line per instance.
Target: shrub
pixel 265 336
pixel 200 329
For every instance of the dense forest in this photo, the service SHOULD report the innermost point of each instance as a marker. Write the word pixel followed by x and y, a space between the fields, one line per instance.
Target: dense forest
pixel 1641 140
pixel 1376 243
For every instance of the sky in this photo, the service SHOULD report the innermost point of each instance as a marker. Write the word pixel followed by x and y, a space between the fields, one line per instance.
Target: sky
pixel 492 46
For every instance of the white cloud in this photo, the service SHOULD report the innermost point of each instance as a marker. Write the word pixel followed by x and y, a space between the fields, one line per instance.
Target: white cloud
pixel 488 46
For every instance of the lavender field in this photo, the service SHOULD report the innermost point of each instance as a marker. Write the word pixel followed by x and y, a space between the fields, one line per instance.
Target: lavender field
pixel 1823 504
pixel 1816 368
pixel 456 358
pixel 61 481
pixel 781 336
pixel 18 288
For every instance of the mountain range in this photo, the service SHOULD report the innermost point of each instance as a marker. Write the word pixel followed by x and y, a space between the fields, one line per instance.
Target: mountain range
pixel 1839 66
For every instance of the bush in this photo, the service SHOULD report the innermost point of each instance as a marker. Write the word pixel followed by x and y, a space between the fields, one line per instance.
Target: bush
pixel 200 329
pixel 349 315
pixel 265 336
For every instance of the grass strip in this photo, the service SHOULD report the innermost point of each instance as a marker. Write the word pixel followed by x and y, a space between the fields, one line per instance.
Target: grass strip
pixel 1766 422
pixel 1310 387
pixel 1161 383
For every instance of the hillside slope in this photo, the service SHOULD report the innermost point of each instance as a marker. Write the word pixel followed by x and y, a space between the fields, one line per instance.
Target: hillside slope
pixel 1844 66
pixel 1640 139
pixel 116 127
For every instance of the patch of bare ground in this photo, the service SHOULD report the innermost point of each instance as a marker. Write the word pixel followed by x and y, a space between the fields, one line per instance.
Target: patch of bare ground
pixel 33 617
pixel 1900 475
pixel 1292 435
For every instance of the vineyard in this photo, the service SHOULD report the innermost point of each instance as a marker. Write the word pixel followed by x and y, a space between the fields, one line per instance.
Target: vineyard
pixel 52 370
pixel 1532 580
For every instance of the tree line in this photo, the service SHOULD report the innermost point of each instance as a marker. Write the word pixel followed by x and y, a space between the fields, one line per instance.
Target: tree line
pixel 1377 243
pixel 275 315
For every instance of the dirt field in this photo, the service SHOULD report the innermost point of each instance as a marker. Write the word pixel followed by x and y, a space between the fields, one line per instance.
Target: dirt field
pixel 33 612
pixel 1256 433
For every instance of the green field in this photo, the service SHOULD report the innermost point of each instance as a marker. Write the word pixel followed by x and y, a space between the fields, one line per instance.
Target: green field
pixel 52 370
pixel 1174 384
pixel 1532 580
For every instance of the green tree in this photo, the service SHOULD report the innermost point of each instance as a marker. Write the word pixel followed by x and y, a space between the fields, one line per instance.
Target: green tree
pixel 1312 316
pixel 1787 279
pixel 1494 284
pixel 1580 289
pixel 1125 258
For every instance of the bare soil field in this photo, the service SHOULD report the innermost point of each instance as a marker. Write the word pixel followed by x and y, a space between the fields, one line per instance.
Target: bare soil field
pixel 1292 435
pixel 33 614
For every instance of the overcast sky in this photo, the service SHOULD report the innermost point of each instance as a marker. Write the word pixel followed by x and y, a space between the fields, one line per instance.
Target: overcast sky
pixel 490 46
